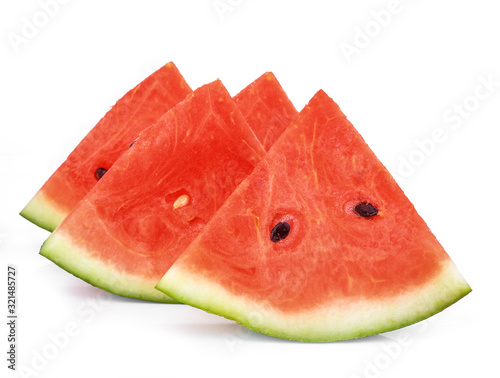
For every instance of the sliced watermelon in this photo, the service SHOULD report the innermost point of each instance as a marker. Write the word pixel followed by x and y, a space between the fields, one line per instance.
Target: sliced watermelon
pixel 96 153
pixel 145 211
pixel 319 243
pixel 267 108
pixel 264 104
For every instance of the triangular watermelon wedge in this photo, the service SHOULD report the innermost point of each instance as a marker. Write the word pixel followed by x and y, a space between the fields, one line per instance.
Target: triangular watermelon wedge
pixel 144 212
pixel 319 243
pixel 103 145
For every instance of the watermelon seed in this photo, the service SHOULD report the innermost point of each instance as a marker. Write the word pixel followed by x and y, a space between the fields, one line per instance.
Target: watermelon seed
pixel 99 172
pixel 365 209
pixel 280 231
pixel 181 201
pixel 131 144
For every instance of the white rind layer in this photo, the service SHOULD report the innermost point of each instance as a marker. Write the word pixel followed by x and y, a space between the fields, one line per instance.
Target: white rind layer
pixel 104 275
pixel 334 321
pixel 42 212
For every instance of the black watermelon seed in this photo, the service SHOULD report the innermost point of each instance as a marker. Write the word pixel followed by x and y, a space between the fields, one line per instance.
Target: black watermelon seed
pixel 131 144
pixel 280 231
pixel 365 210
pixel 99 172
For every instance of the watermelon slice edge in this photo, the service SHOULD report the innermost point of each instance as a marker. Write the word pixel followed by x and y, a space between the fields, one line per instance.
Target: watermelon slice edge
pixel 104 275
pixel 42 212
pixel 356 320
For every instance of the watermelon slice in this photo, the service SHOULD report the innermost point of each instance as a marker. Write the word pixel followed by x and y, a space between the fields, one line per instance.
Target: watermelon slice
pixel 266 108
pixel 145 211
pixel 96 153
pixel 319 243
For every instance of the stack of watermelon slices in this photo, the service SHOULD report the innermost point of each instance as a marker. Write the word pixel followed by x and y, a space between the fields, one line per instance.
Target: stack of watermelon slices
pixel 285 222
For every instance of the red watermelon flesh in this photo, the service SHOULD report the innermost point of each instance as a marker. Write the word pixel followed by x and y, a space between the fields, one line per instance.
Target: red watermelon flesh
pixel 319 243
pixel 113 134
pixel 144 212
pixel 265 99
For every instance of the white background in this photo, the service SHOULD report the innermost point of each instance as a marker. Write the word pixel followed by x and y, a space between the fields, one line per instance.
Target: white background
pixel 396 88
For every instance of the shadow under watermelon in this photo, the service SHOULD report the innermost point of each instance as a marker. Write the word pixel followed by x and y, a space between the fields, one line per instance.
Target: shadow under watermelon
pixel 234 334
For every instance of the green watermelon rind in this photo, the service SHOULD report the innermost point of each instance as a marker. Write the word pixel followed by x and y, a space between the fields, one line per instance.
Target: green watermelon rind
pixel 97 273
pixel 357 319
pixel 42 212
